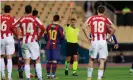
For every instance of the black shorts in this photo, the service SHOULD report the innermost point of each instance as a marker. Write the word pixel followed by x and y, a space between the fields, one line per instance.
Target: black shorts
pixel 71 49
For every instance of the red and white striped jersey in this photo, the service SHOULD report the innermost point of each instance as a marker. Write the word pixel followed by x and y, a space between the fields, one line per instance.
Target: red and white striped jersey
pixel 28 25
pixel 98 25
pixel 6 25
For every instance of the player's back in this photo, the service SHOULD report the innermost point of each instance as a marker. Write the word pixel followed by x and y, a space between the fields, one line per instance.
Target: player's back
pixel 6 24
pixel 28 27
pixel 54 35
pixel 99 24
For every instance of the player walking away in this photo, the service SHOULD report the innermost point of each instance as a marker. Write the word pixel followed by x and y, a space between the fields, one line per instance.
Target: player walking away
pixel 131 70
pixel 30 48
pixel 54 36
pixel 7 41
pixel 71 34
pixel 98 29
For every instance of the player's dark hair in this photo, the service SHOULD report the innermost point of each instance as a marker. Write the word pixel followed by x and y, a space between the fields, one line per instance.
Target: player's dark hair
pixel 35 12
pixel 56 18
pixel 7 8
pixel 101 9
pixel 28 9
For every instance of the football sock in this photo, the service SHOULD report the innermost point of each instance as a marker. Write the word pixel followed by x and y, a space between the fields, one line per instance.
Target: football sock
pixel 9 67
pixel 48 67
pixel 27 70
pixel 75 66
pixel 100 73
pixel 38 70
pixel 2 67
pixel 20 68
pixel 54 66
pixel 90 70
pixel 132 66
pixel 66 65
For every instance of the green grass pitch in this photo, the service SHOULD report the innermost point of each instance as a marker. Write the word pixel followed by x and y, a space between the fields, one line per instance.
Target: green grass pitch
pixel 112 73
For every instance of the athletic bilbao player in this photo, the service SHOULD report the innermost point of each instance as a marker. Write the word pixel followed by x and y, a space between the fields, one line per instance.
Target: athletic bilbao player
pixel 54 36
pixel 30 48
pixel 98 25
pixel 21 60
pixel 7 41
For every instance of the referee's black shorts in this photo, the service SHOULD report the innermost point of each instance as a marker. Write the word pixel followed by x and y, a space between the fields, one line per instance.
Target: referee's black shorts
pixel 71 49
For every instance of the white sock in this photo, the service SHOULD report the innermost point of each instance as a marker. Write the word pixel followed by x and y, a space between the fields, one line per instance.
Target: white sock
pixel 9 67
pixel 100 74
pixel 2 67
pixel 39 70
pixel 90 70
pixel 27 70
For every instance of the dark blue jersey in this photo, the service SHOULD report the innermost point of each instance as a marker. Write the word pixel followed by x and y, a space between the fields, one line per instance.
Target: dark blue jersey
pixel 54 35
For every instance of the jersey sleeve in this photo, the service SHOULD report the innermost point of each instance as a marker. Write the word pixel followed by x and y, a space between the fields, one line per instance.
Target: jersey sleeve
pixel 115 40
pixel 109 22
pixel 61 32
pixel 89 20
pixel 40 25
pixel 16 23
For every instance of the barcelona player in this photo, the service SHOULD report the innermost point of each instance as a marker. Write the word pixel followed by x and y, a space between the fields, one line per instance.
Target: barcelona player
pixel 54 36
pixel 116 46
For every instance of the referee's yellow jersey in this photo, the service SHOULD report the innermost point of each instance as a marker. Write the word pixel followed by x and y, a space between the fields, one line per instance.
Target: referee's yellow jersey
pixel 71 34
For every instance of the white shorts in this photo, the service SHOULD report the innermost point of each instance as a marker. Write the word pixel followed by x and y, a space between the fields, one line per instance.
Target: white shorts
pixel 7 46
pixel 30 50
pixel 98 48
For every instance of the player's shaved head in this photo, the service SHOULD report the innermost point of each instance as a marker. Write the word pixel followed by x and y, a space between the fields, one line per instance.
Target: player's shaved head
pixel 28 9
pixel 101 9
pixel 56 18
pixel 7 8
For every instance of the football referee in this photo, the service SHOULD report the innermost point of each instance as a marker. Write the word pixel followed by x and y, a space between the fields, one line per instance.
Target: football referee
pixel 71 35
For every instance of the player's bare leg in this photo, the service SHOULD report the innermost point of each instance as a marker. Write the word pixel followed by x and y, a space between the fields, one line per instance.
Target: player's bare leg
pixel 101 69
pixel 67 62
pixel 9 66
pixel 90 68
pixel 75 65
pixel 2 68
pixel 38 68
pixel 27 68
